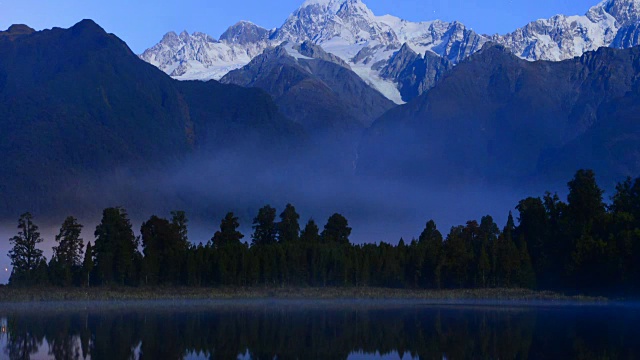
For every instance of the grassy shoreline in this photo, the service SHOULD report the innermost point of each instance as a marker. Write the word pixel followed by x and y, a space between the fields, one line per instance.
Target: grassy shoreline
pixel 25 295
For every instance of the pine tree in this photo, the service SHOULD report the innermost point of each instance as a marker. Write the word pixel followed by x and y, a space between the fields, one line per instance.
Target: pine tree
pixel 458 257
pixel 115 248
pixel 586 214
pixel 264 227
pixel 624 249
pixel 25 256
pixel 534 229
pixel 310 234
pixel 67 256
pixel 155 234
pixel 164 248
pixel 87 264
pixel 289 227
pixel 336 231
pixel 559 240
pixel 228 235
pixel 484 265
pixel 507 255
pixel 179 221
pixel 585 204
pixel 489 233
pixel 431 241
pixel 526 275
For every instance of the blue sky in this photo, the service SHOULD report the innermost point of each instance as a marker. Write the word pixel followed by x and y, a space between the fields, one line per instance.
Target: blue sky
pixel 141 23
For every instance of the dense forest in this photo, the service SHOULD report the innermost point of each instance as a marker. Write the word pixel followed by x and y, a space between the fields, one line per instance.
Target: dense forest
pixel 582 245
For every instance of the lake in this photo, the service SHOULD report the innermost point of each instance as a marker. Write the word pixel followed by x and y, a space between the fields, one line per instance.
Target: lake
pixel 277 329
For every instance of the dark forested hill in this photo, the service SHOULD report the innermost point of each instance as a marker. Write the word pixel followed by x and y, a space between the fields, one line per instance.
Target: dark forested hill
pixel 498 119
pixel 77 101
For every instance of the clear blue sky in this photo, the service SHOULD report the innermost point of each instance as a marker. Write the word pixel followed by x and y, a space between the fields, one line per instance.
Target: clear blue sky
pixel 141 23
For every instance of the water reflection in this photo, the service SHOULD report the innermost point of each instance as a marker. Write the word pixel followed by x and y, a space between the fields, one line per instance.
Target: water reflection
pixel 272 330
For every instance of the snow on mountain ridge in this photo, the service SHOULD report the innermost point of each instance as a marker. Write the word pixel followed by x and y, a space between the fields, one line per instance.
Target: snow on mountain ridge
pixel 346 28
pixel 245 32
pixel 320 21
pixel 367 43
pixel 563 37
pixel 198 56
pixel 624 11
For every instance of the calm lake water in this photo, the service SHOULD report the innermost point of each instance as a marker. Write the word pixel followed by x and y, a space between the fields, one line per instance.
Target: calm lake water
pixel 312 330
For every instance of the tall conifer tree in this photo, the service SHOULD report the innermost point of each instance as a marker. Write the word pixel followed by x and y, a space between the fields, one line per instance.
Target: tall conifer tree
pixel 24 254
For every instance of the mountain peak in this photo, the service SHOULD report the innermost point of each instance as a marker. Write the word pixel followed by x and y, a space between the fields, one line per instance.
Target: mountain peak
pixel 16 30
pixel 20 29
pixel 245 32
pixel 624 11
pixel 170 39
pixel 184 35
pixel 334 6
pixel 87 25
pixel 349 30
pixel 323 20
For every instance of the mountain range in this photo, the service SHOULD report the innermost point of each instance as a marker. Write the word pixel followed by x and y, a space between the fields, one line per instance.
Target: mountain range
pixel 498 119
pixel 78 104
pixel 369 44
pixel 86 123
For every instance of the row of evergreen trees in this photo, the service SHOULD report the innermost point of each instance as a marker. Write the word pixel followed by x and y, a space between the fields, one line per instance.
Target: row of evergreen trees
pixel 581 245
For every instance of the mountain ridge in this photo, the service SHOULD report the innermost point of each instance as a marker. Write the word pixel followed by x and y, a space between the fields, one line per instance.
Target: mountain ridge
pixel 498 119
pixel 350 30
pixel 79 105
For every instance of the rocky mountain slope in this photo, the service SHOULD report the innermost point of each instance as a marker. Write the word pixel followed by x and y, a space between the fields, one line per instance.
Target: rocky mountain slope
pixel 320 92
pixel 368 43
pixel 498 119
pixel 312 87
pixel 345 28
pixel 199 56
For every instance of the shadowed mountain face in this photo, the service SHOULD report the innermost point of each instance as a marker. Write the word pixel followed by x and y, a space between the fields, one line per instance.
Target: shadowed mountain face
pixel 499 119
pixel 314 88
pixel 415 74
pixel 319 91
pixel 15 31
pixel 244 33
pixel 78 102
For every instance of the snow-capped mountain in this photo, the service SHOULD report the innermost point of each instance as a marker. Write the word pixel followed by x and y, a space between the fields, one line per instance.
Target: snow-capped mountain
pixel 563 37
pixel 368 43
pixel 322 21
pixel 346 28
pixel 245 33
pixel 199 56
pixel 350 30
pixel 312 87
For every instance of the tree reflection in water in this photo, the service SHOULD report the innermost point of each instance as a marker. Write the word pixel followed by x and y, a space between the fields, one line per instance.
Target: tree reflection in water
pixel 272 330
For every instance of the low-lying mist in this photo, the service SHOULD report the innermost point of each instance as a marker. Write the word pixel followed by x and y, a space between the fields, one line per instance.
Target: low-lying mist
pixel 207 187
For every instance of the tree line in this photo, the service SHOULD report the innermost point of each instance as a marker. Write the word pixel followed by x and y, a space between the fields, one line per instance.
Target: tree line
pixel 581 245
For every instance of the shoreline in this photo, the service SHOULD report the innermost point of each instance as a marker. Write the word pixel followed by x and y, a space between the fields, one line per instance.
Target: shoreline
pixel 121 294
